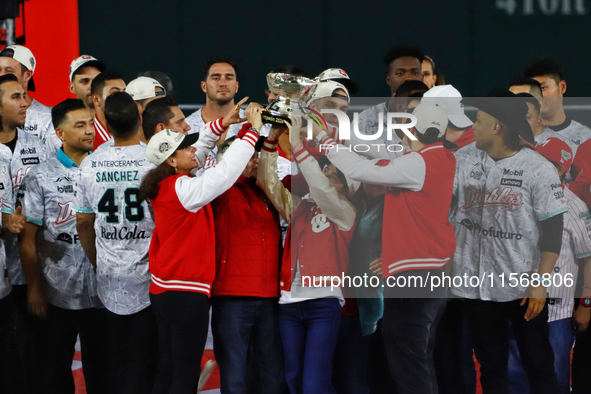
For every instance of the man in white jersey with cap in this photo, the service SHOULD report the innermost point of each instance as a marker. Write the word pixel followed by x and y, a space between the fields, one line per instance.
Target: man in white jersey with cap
pixel 19 60
pixel 509 222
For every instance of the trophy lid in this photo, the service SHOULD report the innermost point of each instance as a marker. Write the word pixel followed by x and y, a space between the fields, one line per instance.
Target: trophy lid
pixel 281 84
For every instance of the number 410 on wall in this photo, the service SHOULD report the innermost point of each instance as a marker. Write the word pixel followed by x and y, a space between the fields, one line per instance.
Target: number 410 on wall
pixel 546 7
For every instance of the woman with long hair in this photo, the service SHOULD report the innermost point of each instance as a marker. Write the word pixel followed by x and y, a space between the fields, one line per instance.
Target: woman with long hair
pixel 182 252
pixel 320 229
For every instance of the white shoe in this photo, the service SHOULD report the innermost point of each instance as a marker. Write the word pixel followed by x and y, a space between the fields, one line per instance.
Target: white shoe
pixel 205 374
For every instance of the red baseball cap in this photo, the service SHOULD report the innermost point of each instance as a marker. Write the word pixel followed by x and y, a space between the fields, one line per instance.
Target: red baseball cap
pixel 557 151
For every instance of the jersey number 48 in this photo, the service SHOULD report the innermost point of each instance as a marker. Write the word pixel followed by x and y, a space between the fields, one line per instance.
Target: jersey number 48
pixel 134 211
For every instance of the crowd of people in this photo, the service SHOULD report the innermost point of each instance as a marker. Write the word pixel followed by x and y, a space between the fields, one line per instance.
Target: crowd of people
pixel 126 226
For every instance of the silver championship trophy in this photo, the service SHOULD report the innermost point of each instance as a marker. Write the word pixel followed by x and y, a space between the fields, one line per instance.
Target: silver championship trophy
pixel 290 92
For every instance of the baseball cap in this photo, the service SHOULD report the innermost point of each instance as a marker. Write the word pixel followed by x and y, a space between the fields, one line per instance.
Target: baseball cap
pixel 327 88
pixel 85 60
pixel 24 56
pixel 339 75
pixel 143 88
pixel 507 108
pixel 431 116
pixel 557 151
pixel 449 98
pixel 163 144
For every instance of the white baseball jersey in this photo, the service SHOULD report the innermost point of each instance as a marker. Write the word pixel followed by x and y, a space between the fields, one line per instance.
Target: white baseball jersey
pixel 38 119
pixel 195 120
pixel 108 186
pixel 576 244
pixel 28 152
pixel 7 203
pixel 500 205
pixel 48 199
pixel 573 131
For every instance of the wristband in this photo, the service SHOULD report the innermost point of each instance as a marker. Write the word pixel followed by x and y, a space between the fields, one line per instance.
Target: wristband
pixel 320 136
pixel 587 287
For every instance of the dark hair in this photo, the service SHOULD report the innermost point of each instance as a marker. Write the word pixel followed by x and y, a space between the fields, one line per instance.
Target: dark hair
pixel 150 185
pixel 59 112
pixel 528 98
pixel 162 78
pixel 430 136
pixel 544 66
pixel 510 138
pixel 428 58
pixel 324 161
pixel 157 111
pixel 6 78
pixel 411 86
pixel 532 83
pixel 98 83
pixel 217 59
pixel 402 51
pixel 121 114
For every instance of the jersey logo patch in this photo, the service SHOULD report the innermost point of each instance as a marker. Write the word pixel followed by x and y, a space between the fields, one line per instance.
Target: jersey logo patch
pixel 320 223
pixel 511 182
pixel 477 198
pixel 382 162
pixel 65 215
pixel 30 161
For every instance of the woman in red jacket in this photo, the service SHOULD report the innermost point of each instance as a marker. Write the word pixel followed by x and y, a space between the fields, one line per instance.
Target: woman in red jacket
pixel 320 229
pixel 182 252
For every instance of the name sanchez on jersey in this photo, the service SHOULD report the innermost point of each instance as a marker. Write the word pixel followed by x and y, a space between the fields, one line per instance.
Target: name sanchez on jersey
pixel 117 176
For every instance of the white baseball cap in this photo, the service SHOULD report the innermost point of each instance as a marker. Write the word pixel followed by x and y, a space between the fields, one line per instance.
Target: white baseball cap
pixel 338 75
pixel 163 144
pixel 143 88
pixel 429 115
pixel 449 98
pixel 327 88
pixel 85 60
pixel 24 56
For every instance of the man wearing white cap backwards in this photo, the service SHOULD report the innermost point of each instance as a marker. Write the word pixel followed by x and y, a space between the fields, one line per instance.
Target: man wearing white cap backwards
pixel 459 127
pixel 19 60
pixel 143 90
pixel 417 239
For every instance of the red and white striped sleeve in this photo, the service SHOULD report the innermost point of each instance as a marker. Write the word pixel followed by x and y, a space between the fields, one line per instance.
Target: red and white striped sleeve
pixel 209 135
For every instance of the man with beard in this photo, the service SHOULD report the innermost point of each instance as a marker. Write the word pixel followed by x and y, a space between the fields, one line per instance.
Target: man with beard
pixel 220 85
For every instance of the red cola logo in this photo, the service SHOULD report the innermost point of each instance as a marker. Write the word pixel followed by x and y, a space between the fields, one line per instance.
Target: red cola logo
pixel 478 198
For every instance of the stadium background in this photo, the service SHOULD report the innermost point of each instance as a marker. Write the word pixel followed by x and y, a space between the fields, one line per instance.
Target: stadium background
pixel 478 44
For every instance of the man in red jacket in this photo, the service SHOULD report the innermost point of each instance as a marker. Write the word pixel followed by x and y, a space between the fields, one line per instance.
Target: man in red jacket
pixel 246 287
pixel 417 239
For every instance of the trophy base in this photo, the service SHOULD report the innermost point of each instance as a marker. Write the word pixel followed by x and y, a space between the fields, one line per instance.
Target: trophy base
pixel 274 118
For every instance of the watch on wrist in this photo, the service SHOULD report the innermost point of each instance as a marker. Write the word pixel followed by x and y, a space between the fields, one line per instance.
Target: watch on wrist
pixel 546 283
pixel 586 302
pixel 254 130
